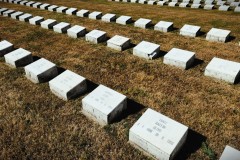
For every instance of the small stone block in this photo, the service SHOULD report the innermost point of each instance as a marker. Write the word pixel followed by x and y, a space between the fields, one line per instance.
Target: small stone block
pixel 208 7
pixel 37 5
pixel 230 153
pixel 40 71
pixel 161 3
pixel 17 1
pixel 237 9
pixel 109 17
pixel 8 13
pixel 143 23
pixel 83 13
pixel 16 15
pixel 179 58
pixel 190 30
pixel 151 2
pixel 5 47
pixel 172 4
pixel 220 3
pixel 118 43
pixel 61 9
pixel 124 20
pixel 3 10
pixel 18 58
pixel 164 26
pixel 223 8
pixel 61 27
pixel 36 20
pixel 157 135
pixel 96 36
pixel 218 35
pixel 25 17
pixel 195 5
pixel 226 70
pixel 52 8
pixel 30 3
pixel 68 85
pixel 23 2
pixel 146 50
pixel 104 105
pixel 210 2
pixel 76 31
pixel 134 1
pixel 48 24
pixel 183 5
pixel 234 4
pixel 142 1
pixel 44 6
pixel 95 15
pixel 71 11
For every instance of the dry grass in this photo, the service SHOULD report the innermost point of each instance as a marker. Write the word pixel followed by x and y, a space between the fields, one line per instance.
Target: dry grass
pixel 35 124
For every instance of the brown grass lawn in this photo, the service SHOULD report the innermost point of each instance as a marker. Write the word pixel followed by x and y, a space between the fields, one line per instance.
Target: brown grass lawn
pixel 35 124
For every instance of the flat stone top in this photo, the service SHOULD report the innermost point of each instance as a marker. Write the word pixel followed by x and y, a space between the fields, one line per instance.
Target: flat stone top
pixel 83 11
pixel 147 47
pixel 224 7
pixel 62 8
pixel 108 15
pixel 17 13
pixel 26 15
pixel 22 2
pixel 209 6
pixel 104 99
pixel 61 25
pixel 143 21
pixel 40 66
pixel 224 66
pixel 67 80
pixel 190 28
pixel 72 9
pixel 52 6
pixel 36 18
pixel 5 44
pixel 96 33
pixel 164 24
pixel 184 3
pixel 219 32
pixel 8 11
pixel 124 18
pixel 95 13
pixel 76 28
pixel 179 55
pixel 30 2
pixel 3 9
pixel 196 5
pixel 230 153
pixel 159 130
pixel 38 3
pixel 17 54
pixel 118 40
pixel 45 4
pixel 48 21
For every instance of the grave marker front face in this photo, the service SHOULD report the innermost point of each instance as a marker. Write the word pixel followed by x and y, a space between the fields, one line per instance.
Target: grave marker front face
pixel 61 9
pixel 172 4
pixel 208 7
pixel 118 43
pixel 143 23
pixel 16 15
pixel 36 20
pixel 234 4
pixel 48 24
pixel 124 20
pixel 3 10
pixel 18 58
pixel 25 17
pixel 76 31
pixel 146 50
pixel 195 5
pixel 68 85
pixel 190 30
pixel 8 13
pixel 109 17
pixel 161 3
pixel 52 8
pixel 223 8
pixel 230 153
pixel 158 135
pixel 104 105
pixel 96 36
pixel 40 71
pixel 37 5
pixel 5 47
pixel 61 27
pixel 218 35
pixel 183 5
pixel 83 13
pixel 44 6
pixel 71 11
pixel 164 26
pixel 237 9
pixel 95 15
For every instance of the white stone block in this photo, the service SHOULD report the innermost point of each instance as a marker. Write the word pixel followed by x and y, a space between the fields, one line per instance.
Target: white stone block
pixel 76 31
pixel 151 2
pixel 30 3
pixel 237 9
pixel 3 10
pixel 161 3
pixel 134 1
pixel 186 1
pixel 158 135
pixel 190 30
pixel 16 15
pixel 197 2
pixel 226 70
pixel 183 5
pixel 109 17
pixel 163 26
pixel 234 4
pixel 18 58
pixel 230 153
pixel 44 6
pixel 210 2
pixel 124 0
pixel 96 36
pixel 124 20
pixel 61 27
pixel 36 20
pixel 208 7
pixel 142 1
pixel 143 23
pixel 223 8
pixel 52 8
pixel 17 1
pixel 174 0
pixel 48 24
pixel 104 105
pixel 5 47
pixel 61 9
pixel 83 13
pixel 95 15
pixel 230 1
pixel 195 5
pixel 37 5
pixel 146 50
pixel 172 4
pixel 8 13
pixel 68 85
pixel 25 17
pixel 119 43
pixel 23 2
pixel 71 11
pixel 179 58
pixel 218 35
pixel 220 3
pixel 40 71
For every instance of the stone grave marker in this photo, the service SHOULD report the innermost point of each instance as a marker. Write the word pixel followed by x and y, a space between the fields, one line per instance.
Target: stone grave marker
pixel 195 5
pixel 61 27
pixel 143 23
pixel 3 10
pixel 71 11
pixel 8 13
pixel 36 20
pixel 95 15
pixel 183 5
pixel 172 4
pixel 48 24
pixel 25 17
pixel 37 5
pixel 223 8
pixel 83 13
pixel 164 26
pixel 230 153
pixel 119 43
pixel 44 6
pixel 30 3
pixel 109 17
pixel 96 36
pixel 52 8
pixel 23 2
pixel 5 47
pixel 61 9
pixel 208 7
pixel 218 35
pixel 146 50
pixel 16 15
pixel 124 20
pixel 190 30
pixel 76 31
pixel 161 3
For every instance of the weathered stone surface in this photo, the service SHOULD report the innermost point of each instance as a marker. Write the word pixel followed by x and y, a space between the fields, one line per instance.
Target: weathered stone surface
pixel 83 13
pixel 109 17
pixel 48 24
pixel 164 26
pixel 61 9
pixel 5 47
pixel 52 8
pixel 230 153
pixel 119 43
pixel 143 23
pixel 95 15
pixel 71 11
pixel 218 35
pixel 25 17
pixel 124 20
pixel 190 30
pixel 146 50
pixel 16 15
pixel 76 31
pixel 96 36
pixel 36 20
pixel 61 27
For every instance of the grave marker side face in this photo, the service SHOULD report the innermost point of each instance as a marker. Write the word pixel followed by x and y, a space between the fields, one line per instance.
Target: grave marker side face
pixel 76 31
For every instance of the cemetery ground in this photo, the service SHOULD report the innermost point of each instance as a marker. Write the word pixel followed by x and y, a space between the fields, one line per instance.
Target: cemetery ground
pixel 35 124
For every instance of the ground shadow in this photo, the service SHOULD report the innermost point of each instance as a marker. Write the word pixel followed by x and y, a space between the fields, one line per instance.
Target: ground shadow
pixel 91 86
pixel 237 80
pixel 131 46
pixel 231 38
pixel 35 58
pixel 193 143
pixel 173 29
pixel 60 70
pixel 201 33
pixel 197 62
pixel 160 54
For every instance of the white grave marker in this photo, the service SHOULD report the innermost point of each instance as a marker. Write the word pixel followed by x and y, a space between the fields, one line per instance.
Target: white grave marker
pixel 30 3
pixel 158 135
pixel 25 17
pixel 104 104
pixel 83 13
pixel 17 1
pixel 18 58
pixel 164 26
pixel 95 15
pixel 8 13
pixel 36 20
pixel 76 31
pixel 142 1
pixel 151 2
pixel 16 15
pixel 146 50
pixel 44 6
pixel 96 36
pixel 118 43
pixel 210 2
pixel 41 70
pixel 68 85
pixel 172 4
pixel 226 70
pixel 37 5
pixel 61 9
pixel 195 5
pixel 218 35
pixel 3 10
pixel 208 7
pixel 223 8
pixel 220 3
pixel 161 3
pixel 52 8
pixel 180 58
pixel 124 20
pixel 61 27
pixel 230 153
pixel 183 5
pixel 143 23
pixel 190 30
pixel 71 11
pixel 109 17
pixel 5 47
pixel 48 24
pixel 237 9
pixel 23 2
pixel 234 4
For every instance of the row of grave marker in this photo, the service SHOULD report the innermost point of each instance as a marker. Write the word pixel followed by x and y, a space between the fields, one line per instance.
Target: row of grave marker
pixel 228 71
pixel 207 5
pixel 153 133
pixel 215 34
